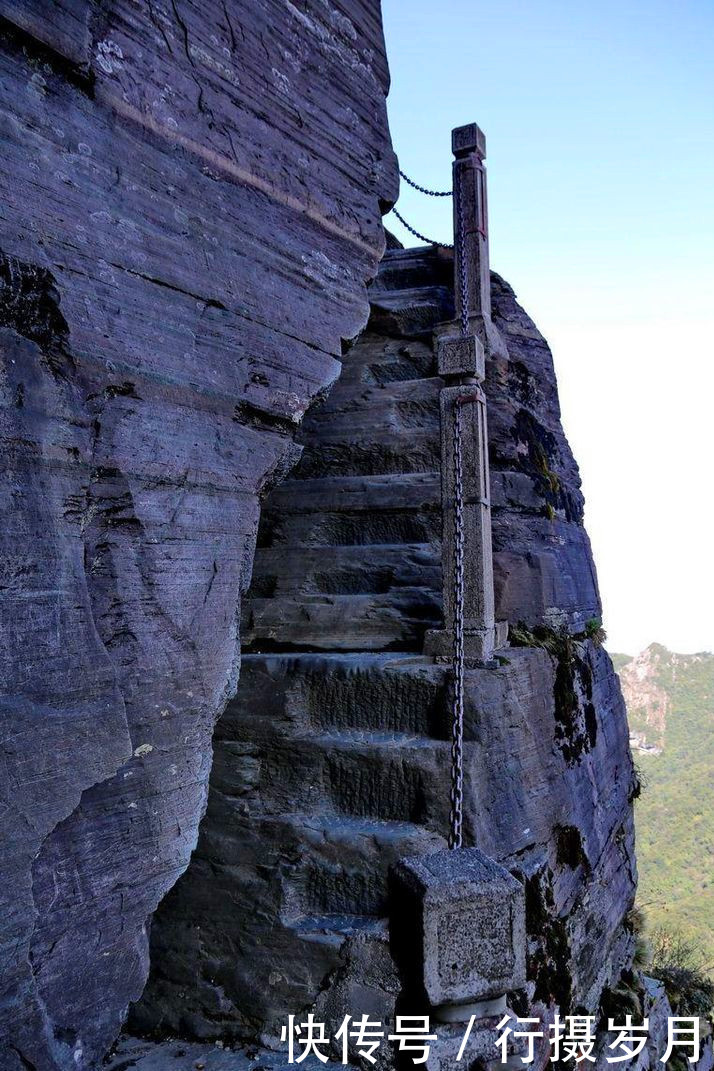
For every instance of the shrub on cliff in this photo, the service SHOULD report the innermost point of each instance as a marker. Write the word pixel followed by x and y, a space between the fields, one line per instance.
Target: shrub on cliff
pixel 676 963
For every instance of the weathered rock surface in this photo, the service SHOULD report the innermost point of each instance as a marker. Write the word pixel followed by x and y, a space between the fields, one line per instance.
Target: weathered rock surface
pixel 333 759
pixel 190 204
pixel 135 1054
pixel 657 1010
pixel 648 702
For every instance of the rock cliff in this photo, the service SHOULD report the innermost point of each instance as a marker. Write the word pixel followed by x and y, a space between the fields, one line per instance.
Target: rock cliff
pixel 189 212
pixel 332 761
pixel 648 702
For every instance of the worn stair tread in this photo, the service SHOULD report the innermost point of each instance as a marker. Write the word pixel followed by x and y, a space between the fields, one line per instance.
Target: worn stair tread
pixel 358 738
pixel 362 603
pixel 342 570
pixel 363 427
pixel 343 554
pixel 335 528
pixel 354 664
pixel 411 490
pixel 344 925
pixel 338 827
pixel 343 402
pixel 344 622
pixel 409 297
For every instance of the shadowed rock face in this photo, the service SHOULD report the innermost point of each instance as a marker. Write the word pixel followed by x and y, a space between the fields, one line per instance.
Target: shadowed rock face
pixel 333 759
pixel 190 198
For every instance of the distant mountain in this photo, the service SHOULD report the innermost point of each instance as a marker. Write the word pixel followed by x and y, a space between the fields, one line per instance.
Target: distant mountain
pixel 670 702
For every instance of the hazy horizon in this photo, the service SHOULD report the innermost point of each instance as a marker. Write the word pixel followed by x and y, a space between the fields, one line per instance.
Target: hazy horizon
pixel 600 131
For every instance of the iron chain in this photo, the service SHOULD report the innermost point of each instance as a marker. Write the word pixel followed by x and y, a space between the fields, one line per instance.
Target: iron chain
pixel 429 193
pixel 457 719
pixel 457 713
pixel 457 722
pixel 417 234
pixel 423 189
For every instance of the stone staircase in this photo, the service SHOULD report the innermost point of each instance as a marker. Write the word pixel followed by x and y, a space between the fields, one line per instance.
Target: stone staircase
pixel 343 721
pixel 349 548
pixel 328 768
pixel 332 760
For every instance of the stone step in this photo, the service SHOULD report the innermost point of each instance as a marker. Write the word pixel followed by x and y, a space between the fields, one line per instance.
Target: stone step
pixel 387 417
pixel 389 526
pixel 380 360
pixel 379 399
pixel 408 285
pixel 277 895
pixel 335 929
pixel 345 570
pixel 375 452
pixel 357 773
pixel 345 861
pixel 368 394
pixel 396 620
pixel 307 864
pixel 381 692
pixel 391 776
pixel 408 268
pixel 411 311
pixel 412 490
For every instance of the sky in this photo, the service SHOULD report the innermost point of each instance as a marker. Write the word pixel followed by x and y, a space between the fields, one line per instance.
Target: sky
pixel 599 121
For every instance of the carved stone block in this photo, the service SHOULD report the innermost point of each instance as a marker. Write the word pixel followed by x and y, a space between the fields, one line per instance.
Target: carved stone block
pixel 479 644
pixel 469 138
pixel 468 918
pixel 460 355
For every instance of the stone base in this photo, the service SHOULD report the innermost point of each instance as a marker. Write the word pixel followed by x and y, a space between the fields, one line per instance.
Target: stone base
pixel 482 1047
pixel 461 1013
pixel 460 926
pixel 478 645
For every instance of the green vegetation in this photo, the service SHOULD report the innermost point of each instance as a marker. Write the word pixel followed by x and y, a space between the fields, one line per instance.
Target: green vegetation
pixel 558 642
pixel 678 964
pixel 576 728
pixel 675 822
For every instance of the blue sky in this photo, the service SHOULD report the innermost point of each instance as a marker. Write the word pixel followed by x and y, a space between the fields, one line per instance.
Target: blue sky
pixel 599 121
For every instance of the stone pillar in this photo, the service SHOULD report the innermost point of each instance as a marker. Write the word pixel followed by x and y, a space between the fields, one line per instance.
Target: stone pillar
pixel 478 555
pixel 468 144
pixel 461 351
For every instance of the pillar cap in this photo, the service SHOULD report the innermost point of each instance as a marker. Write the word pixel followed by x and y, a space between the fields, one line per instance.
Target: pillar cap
pixel 468 139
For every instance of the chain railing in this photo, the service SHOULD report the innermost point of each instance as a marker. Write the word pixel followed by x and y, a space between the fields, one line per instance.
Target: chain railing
pixel 423 189
pixel 457 709
pixel 429 193
pixel 418 234
pixel 457 666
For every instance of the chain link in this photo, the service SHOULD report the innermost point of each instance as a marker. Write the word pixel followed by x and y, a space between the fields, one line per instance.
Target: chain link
pixel 423 189
pixel 417 234
pixel 457 713
pixel 457 723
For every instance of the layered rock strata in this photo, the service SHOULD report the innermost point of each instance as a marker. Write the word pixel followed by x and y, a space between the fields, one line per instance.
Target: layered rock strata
pixel 332 761
pixel 190 201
